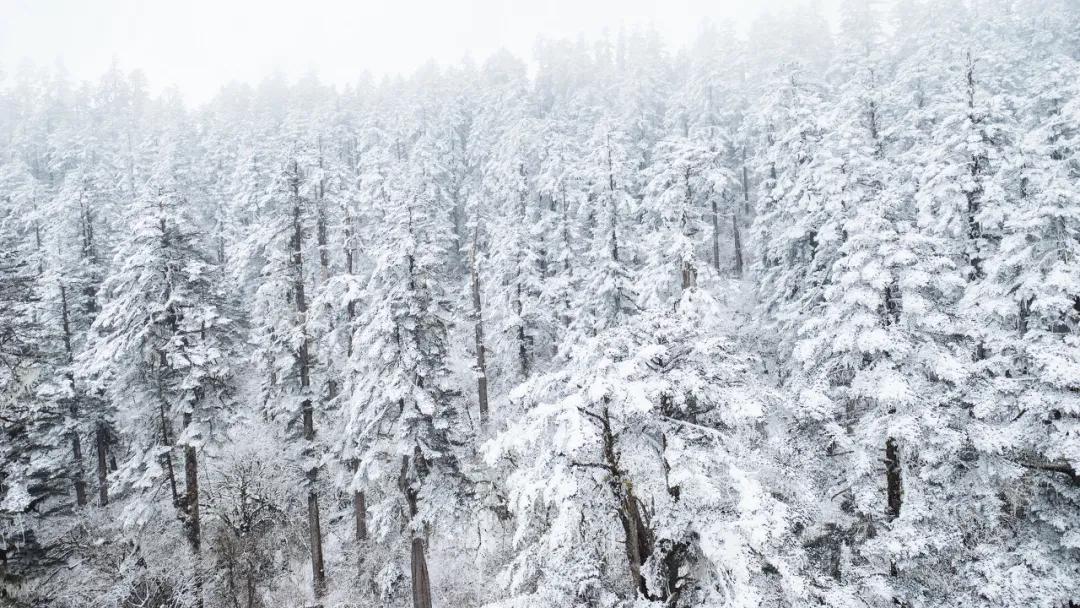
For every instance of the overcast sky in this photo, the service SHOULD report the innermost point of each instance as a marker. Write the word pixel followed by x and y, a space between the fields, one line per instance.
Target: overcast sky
pixel 199 45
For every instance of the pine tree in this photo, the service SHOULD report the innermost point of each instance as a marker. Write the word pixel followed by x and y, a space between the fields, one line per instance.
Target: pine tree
pixel 403 418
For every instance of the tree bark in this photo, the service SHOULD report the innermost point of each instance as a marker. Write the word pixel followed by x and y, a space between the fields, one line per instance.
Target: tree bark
pixel 715 235
pixel 76 441
pixel 101 445
pixel 303 359
pixel 478 320
pixel 638 537
pixel 735 218
pixel 191 508
pixel 522 340
pixel 893 479
pixel 689 275
pixel 80 482
pixel 359 500
pixel 166 442
pixel 421 582
pixel 737 241
pixel 687 269
pixel 745 187
pixel 360 511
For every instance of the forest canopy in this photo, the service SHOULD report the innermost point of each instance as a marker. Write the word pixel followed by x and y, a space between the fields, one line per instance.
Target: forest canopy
pixel 784 317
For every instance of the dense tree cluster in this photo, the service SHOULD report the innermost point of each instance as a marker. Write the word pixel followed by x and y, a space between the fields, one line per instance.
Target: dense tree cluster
pixel 789 318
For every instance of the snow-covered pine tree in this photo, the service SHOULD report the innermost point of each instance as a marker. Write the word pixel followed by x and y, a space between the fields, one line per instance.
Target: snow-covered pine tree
pixel 404 410
pixel 158 354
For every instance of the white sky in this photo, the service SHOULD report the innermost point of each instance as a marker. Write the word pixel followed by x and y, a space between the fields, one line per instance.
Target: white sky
pixel 198 45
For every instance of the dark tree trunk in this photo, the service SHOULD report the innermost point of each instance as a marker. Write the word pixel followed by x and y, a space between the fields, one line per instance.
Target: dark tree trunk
pixel 76 441
pixel 746 186
pixel 421 581
pixel 101 442
pixel 478 327
pixel 359 500
pixel 638 537
pixel 191 510
pixel 360 511
pixel 689 275
pixel 303 360
pixel 715 235
pixel 735 218
pixel 522 339
pixel 166 441
pixel 80 482
pixel 893 479
pixel 687 269
pixel 737 239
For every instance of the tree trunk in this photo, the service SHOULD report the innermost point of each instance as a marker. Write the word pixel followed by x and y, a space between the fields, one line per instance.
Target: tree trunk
pixel 735 219
pixel 893 480
pixel 318 570
pixel 191 508
pixel 638 537
pixel 76 441
pixel 522 340
pixel 745 187
pixel 715 235
pixel 303 359
pixel 359 500
pixel 478 320
pixel 166 442
pixel 421 582
pixel 80 483
pixel 687 269
pixel 737 240
pixel 101 445
pixel 689 275
pixel 360 511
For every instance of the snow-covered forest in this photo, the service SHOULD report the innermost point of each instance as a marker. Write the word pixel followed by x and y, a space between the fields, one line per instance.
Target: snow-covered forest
pixel 784 317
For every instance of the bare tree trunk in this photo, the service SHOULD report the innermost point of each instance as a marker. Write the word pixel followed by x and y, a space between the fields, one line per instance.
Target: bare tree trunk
pixel 522 340
pixel 101 445
pixel 745 186
pixel 359 500
pixel 321 232
pixel 614 206
pixel 688 271
pixel 893 479
pixel 638 537
pixel 689 275
pixel 101 435
pixel 191 508
pixel 360 510
pixel 715 235
pixel 738 244
pixel 314 527
pixel 80 482
pixel 318 571
pixel 166 441
pixel 478 320
pixel 191 495
pixel 421 582
pixel 76 441
pixel 735 218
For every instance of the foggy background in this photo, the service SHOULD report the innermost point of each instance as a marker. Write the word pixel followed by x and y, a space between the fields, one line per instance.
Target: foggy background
pixel 199 45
